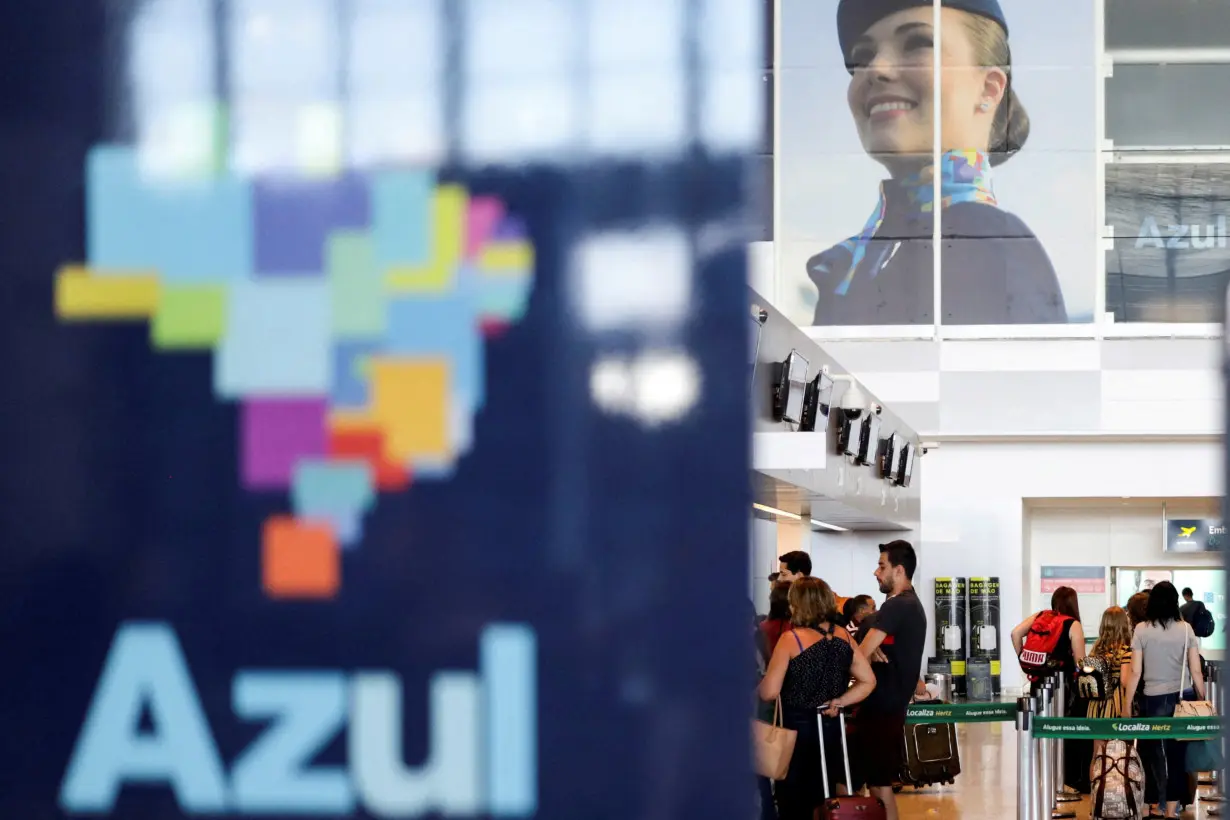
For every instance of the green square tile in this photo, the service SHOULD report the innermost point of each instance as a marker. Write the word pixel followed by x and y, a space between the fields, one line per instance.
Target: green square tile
pixel 360 303
pixel 189 317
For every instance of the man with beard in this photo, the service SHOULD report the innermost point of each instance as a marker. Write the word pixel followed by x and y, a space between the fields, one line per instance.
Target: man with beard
pixel 894 644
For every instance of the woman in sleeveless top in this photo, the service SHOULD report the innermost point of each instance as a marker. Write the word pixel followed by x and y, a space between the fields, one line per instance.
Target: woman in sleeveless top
pixel 810 668
pixel 1071 647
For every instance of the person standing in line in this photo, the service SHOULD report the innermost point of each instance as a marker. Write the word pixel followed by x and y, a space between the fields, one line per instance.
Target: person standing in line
pixel 894 645
pixel 810 669
pixel 857 610
pixel 1137 608
pixel 778 621
pixel 793 566
pixel 1164 652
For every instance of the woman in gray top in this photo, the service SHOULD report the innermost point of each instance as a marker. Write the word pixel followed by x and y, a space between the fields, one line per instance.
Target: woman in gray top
pixel 1164 650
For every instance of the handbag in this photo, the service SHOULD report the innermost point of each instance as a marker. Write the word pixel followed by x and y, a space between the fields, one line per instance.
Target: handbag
pixel 1190 708
pixel 773 745
pixel 1203 756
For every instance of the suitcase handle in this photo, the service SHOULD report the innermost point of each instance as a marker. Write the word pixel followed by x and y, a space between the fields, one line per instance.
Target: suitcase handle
pixel 845 750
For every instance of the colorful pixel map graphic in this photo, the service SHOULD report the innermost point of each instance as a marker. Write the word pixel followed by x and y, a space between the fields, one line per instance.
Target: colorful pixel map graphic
pixel 347 315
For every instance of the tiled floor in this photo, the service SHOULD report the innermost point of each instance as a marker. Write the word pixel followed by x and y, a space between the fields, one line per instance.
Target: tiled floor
pixel 987 785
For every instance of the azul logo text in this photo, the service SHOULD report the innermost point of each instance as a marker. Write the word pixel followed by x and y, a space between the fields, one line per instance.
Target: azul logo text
pixel 1182 237
pixel 482 758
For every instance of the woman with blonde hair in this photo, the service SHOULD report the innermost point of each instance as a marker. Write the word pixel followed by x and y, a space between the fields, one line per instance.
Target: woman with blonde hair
pixel 997 272
pixel 812 668
pixel 1111 654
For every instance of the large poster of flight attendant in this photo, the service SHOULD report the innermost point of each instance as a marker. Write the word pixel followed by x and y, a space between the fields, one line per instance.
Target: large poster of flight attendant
pixel 1017 160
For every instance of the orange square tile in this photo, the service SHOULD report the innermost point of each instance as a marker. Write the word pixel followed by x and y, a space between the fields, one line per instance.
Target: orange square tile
pixel 300 559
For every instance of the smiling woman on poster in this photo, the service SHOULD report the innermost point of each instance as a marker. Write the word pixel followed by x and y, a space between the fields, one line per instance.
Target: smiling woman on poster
pixel 995 271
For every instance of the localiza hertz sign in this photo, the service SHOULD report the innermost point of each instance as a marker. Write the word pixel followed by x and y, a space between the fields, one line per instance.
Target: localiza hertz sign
pixel 346 317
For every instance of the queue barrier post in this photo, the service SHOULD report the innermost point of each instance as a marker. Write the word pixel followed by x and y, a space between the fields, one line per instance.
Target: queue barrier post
pixel 1044 780
pixel 1061 795
pixel 1215 694
pixel 1213 690
pixel 1026 795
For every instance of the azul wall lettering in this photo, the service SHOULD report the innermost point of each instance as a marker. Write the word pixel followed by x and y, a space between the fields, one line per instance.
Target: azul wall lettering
pixel 482 758
pixel 1182 237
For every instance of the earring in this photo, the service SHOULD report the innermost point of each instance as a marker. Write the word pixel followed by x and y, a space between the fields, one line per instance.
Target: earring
pixel 984 106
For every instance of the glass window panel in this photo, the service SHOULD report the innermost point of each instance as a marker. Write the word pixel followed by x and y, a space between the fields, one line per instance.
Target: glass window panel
pixel 838 262
pixel 1164 105
pixel 759 187
pixel 274 135
pixel 408 128
pixel 285 48
pixel 736 110
pixel 1019 181
pixel 1209 587
pixel 172 71
pixel 519 120
pixel 636 112
pixel 395 43
pixel 1171 203
pixel 1147 285
pixel 172 56
pixel 732 33
pixel 1167 23
pixel 1171 260
pixel 635 34
pixel 525 38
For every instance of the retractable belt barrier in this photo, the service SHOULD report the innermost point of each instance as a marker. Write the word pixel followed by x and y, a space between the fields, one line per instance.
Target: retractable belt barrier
pixel 961 713
pixel 1126 728
pixel 1040 726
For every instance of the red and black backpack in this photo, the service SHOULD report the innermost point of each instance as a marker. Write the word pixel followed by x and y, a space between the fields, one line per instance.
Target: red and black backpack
pixel 1038 653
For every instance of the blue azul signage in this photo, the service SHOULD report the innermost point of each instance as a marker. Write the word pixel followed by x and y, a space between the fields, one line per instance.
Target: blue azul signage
pixel 482 759
pixel 356 427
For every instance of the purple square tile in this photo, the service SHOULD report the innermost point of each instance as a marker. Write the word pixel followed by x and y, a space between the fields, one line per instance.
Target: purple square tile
pixel 275 434
pixel 294 217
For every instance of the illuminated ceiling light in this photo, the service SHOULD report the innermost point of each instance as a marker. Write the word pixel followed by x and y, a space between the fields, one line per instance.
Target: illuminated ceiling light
pixel 826 526
pixel 776 511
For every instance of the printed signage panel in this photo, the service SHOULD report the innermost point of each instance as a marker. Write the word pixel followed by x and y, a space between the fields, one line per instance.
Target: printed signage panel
pixel 1170 261
pixel 1194 535
pixel 858 166
pixel 348 470
pixel 1085 580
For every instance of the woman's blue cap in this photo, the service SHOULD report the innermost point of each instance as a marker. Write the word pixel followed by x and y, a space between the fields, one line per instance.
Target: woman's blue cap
pixel 854 17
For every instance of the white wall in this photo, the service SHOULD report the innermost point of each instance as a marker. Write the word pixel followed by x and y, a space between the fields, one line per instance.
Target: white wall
pixel 1126 534
pixel 762 560
pixel 847 560
pixel 975 495
pixel 1008 387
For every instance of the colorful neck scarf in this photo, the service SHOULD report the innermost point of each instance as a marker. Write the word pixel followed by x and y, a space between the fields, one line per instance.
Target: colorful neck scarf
pixel 966 177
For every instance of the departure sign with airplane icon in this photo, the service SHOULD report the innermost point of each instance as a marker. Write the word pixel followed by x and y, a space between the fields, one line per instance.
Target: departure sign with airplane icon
pixel 1198 535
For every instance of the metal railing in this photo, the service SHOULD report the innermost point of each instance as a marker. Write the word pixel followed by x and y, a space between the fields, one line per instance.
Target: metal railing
pixel 1042 727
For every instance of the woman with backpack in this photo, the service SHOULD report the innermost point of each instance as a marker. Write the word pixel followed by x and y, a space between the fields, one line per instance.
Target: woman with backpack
pixel 1164 650
pixel 1052 639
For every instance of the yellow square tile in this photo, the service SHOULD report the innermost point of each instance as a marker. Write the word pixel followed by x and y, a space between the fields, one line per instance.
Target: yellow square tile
pixel 410 403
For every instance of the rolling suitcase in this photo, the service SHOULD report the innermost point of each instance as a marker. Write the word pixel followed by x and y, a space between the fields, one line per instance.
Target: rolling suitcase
pixel 931 755
pixel 852 807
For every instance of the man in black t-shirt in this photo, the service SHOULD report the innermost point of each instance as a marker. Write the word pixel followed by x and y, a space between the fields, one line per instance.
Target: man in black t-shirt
pixel 894 645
